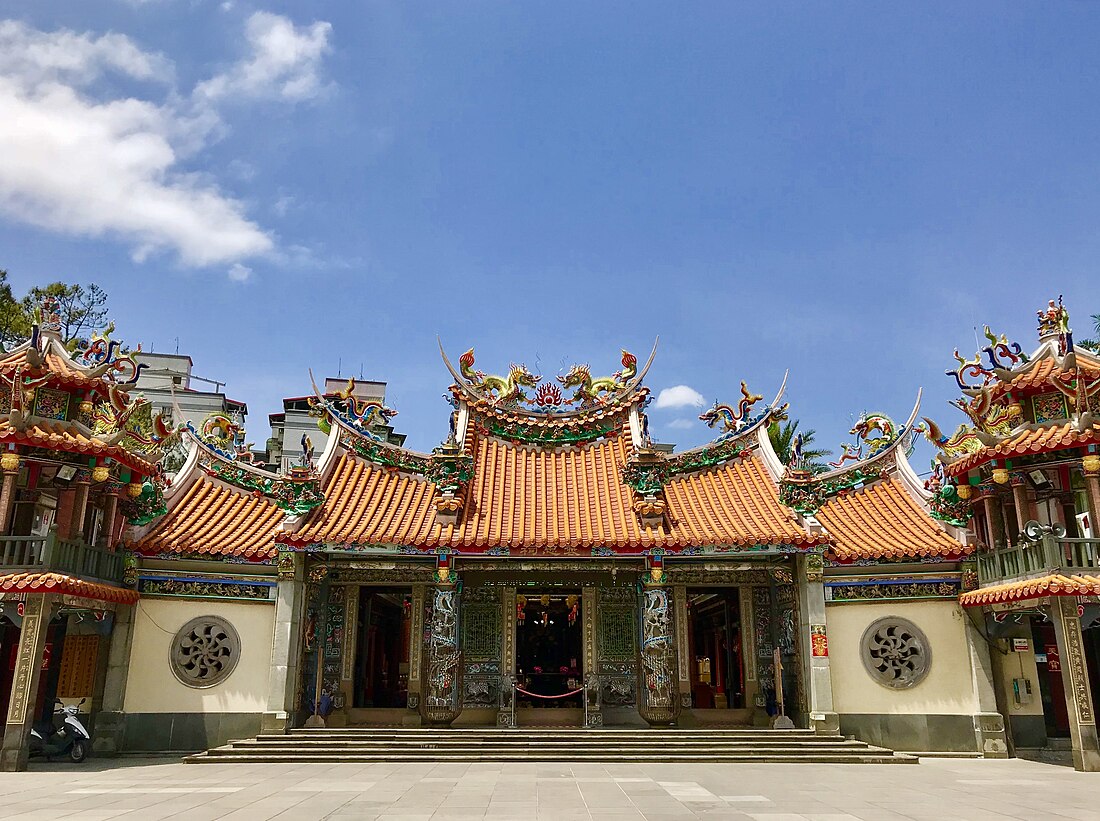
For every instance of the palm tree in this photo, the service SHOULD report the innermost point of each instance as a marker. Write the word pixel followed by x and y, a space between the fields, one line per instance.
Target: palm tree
pixel 782 439
pixel 1092 344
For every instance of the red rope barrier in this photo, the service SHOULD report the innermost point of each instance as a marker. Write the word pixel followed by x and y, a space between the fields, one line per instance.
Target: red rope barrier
pixel 536 695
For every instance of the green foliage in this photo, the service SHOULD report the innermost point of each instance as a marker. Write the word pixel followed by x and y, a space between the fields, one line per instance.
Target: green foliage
pixel 15 322
pixel 82 308
pixel 1092 344
pixel 782 439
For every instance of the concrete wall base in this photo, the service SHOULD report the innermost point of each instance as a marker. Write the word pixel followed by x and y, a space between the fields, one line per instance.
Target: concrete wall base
pixel 921 733
pixel 109 733
pixel 186 732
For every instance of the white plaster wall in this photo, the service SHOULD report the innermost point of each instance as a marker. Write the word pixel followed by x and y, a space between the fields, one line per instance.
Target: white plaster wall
pixel 948 688
pixel 152 687
pixel 1020 665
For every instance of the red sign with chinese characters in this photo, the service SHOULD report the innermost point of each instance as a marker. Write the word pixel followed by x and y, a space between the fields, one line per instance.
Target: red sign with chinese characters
pixel 1054 663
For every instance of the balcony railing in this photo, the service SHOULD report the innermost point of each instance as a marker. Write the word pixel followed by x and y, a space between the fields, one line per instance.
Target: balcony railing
pixel 1045 550
pixel 52 553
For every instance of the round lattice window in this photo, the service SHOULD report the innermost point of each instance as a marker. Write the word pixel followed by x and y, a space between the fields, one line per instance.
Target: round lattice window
pixel 205 651
pixel 896 653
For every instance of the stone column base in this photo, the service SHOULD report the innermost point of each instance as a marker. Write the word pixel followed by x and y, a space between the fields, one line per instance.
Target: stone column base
pixel 989 731
pixel 275 723
pixel 110 729
pixel 825 723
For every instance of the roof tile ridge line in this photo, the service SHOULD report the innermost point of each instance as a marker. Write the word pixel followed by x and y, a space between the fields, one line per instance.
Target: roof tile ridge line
pixel 175 495
pixel 760 423
pixel 906 433
pixel 90 373
pixel 22 347
pixel 237 463
pixel 329 460
pixel 353 432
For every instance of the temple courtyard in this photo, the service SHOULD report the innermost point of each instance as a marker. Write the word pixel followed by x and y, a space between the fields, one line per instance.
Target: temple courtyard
pixel 938 789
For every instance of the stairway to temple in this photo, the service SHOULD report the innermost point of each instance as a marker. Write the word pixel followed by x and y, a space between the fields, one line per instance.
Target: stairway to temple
pixel 379 744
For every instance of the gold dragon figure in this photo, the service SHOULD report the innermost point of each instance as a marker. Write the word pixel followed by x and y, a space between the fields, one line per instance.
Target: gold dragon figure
pixel 986 415
pixel 963 441
pixel 499 389
pixel 132 424
pixel 589 390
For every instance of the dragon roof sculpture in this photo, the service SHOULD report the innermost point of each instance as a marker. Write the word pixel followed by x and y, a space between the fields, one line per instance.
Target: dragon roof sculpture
pixel 1008 394
pixel 523 393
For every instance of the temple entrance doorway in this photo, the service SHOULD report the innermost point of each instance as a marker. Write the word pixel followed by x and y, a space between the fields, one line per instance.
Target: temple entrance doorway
pixel 382 648
pixel 715 648
pixel 549 650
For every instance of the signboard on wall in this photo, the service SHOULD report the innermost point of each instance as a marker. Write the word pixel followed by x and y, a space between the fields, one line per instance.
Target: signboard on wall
pixel 1054 663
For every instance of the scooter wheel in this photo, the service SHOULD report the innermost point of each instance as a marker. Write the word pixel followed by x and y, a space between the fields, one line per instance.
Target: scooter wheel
pixel 78 752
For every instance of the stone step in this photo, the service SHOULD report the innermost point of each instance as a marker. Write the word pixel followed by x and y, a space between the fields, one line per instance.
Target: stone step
pixel 328 745
pixel 867 757
pixel 550 734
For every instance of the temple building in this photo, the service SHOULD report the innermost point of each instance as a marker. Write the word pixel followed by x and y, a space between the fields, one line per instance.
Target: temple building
pixel 548 565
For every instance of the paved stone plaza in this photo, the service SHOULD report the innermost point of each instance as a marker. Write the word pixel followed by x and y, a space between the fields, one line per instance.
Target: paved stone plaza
pixel 937 789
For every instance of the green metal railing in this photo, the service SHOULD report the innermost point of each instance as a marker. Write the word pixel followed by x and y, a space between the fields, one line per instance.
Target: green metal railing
pixel 38 553
pixel 1045 550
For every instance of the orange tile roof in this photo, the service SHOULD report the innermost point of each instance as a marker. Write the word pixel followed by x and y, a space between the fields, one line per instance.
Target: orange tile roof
pixel 523 496
pixel 61 367
pixel 218 520
pixel 1037 377
pixel 68 437
pixel 1027 442
pixel 48 582
pixel 882 521
pixel 1056 585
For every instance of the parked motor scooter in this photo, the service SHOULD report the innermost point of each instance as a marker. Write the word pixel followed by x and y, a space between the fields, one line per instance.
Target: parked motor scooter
pixel 62 735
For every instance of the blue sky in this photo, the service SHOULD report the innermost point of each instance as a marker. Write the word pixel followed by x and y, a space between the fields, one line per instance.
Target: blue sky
pixel 845 190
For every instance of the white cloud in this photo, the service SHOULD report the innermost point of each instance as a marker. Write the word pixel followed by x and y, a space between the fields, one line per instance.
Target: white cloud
pixel 285 62
pixel 682 424
pixel 680 396
pixel 65 56
pixel 85 165
pixel 239 273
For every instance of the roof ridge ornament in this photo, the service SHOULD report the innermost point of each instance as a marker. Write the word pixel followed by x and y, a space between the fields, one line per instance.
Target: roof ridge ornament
pixel 509 392
pixel 1054 324
pixel 355 412
pixel 734 421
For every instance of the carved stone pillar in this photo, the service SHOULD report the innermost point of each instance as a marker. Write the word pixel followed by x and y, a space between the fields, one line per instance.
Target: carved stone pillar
pixel 683 662
pixel 442 700
pixel 416 654
pixel 506 713
pixel 815 644
pixel 1075 683
pixel 286 643
pixel 589 614
pixel 339 716
pixel 748 655
pixel 24 686
pixel 658 690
